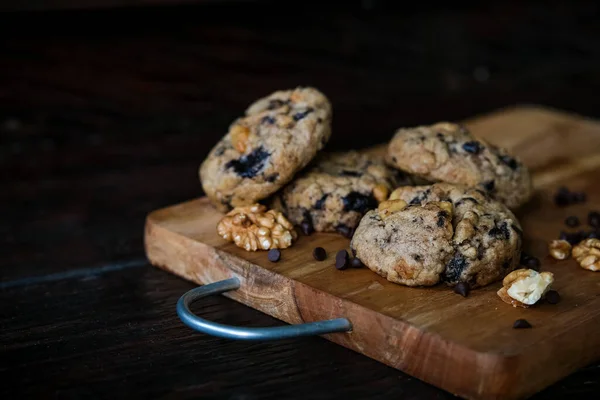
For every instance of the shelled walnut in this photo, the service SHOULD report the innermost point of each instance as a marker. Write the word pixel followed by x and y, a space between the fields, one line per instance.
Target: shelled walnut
pixel 559 249
pixel 254 228
pixel 587 254
pixel 388 207
pixel 525 287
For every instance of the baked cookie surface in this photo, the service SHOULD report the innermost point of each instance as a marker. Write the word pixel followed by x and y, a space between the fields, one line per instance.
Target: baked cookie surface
pixel 439 233
pixel 449 153
pixel 337 189
pixel 262 151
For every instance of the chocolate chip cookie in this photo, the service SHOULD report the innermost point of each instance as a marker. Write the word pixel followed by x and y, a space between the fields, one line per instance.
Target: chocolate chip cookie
pixel 426 234
pixel 449 153
pixel 278 136
pixel 337 190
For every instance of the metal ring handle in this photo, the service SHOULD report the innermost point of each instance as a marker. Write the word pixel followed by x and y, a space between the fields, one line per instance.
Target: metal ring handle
pixel 235 332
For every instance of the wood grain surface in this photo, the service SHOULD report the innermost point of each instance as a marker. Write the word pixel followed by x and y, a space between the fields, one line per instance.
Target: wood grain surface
pixel 423 331
pixel 106 114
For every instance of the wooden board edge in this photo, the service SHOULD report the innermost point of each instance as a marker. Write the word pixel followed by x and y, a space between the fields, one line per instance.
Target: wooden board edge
pixel 490 376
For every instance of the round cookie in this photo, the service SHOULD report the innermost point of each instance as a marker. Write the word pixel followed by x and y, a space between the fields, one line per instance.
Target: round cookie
pixel 337 190
pixel 449 153
pixel 278 136
pixel 442 232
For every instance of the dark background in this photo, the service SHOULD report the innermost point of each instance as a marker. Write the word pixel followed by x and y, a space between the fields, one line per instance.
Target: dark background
pixel 106 114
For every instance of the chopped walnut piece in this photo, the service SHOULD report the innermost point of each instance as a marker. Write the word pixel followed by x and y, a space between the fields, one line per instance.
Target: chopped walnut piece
pixel 559 249
pixel 587 254
pixel 381 193
pixel 525 287
pixel 239 137
pixel 388 207
pixel 254 228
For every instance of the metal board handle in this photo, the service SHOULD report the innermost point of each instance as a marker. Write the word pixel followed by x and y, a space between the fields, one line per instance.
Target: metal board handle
pixel 235 332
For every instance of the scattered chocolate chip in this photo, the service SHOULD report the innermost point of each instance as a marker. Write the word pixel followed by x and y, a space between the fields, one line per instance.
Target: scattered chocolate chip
pixel 307 228
pixel 462 288
pixel 573 238
pixel 521 324
pixel 594 219
pixel 319 253
pixel 578 197
pixel 552 297
pixel 341 260
pixel 356 263
pixel 593 235
pixel 274 255
pixel 529 261
pixel 572 221
pixel 473 147
pixel 345 231
pixel 562 197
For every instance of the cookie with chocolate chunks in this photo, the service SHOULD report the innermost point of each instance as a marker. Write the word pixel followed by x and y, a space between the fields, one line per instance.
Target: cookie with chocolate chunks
pixel 337 189
pixel 278 136
pixel 439 233
pixel 448 152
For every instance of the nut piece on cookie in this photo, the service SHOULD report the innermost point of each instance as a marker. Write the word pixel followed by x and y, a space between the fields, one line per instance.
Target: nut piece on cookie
pixel 277 137
pixel 587 254
pixel 525 287
pixel 254 228
pixel 389 207
pixel 559 249
pixel 450 153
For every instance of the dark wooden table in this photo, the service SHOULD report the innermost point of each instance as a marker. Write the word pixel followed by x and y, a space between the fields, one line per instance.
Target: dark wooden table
pixel 106 115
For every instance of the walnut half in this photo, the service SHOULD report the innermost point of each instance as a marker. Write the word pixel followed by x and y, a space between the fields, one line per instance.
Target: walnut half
pixel 254 228
pixel 525 287
pixel 587 254
pixel 559 249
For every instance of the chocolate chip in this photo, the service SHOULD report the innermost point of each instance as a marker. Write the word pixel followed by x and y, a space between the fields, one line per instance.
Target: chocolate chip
pixel 552 297
pixel 319 253
pixel 511 162
pixel 345 231
pixel 593 235
pixel 594 219
pixel 276 103
pixel 454 268
pixel 533 263
pixel 249 165
pixel 307 228
pixel 489 185
pixel 462 288
pixel 356 263
pixel 572 221
pixel 500 232
pixel 341 260
pixel 441 218
pixel 272 177
pixel 473 147
pixel 573 238
pixel 267 120
pixel 300 115
pixel 521 324
pixel 562 197
pixel 321 202
pixel 578 197
pixel 361 203
pixel 274 255
pixel 350 173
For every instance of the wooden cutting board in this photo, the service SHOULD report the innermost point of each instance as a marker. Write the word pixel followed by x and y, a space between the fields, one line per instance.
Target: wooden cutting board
pixel 464 345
